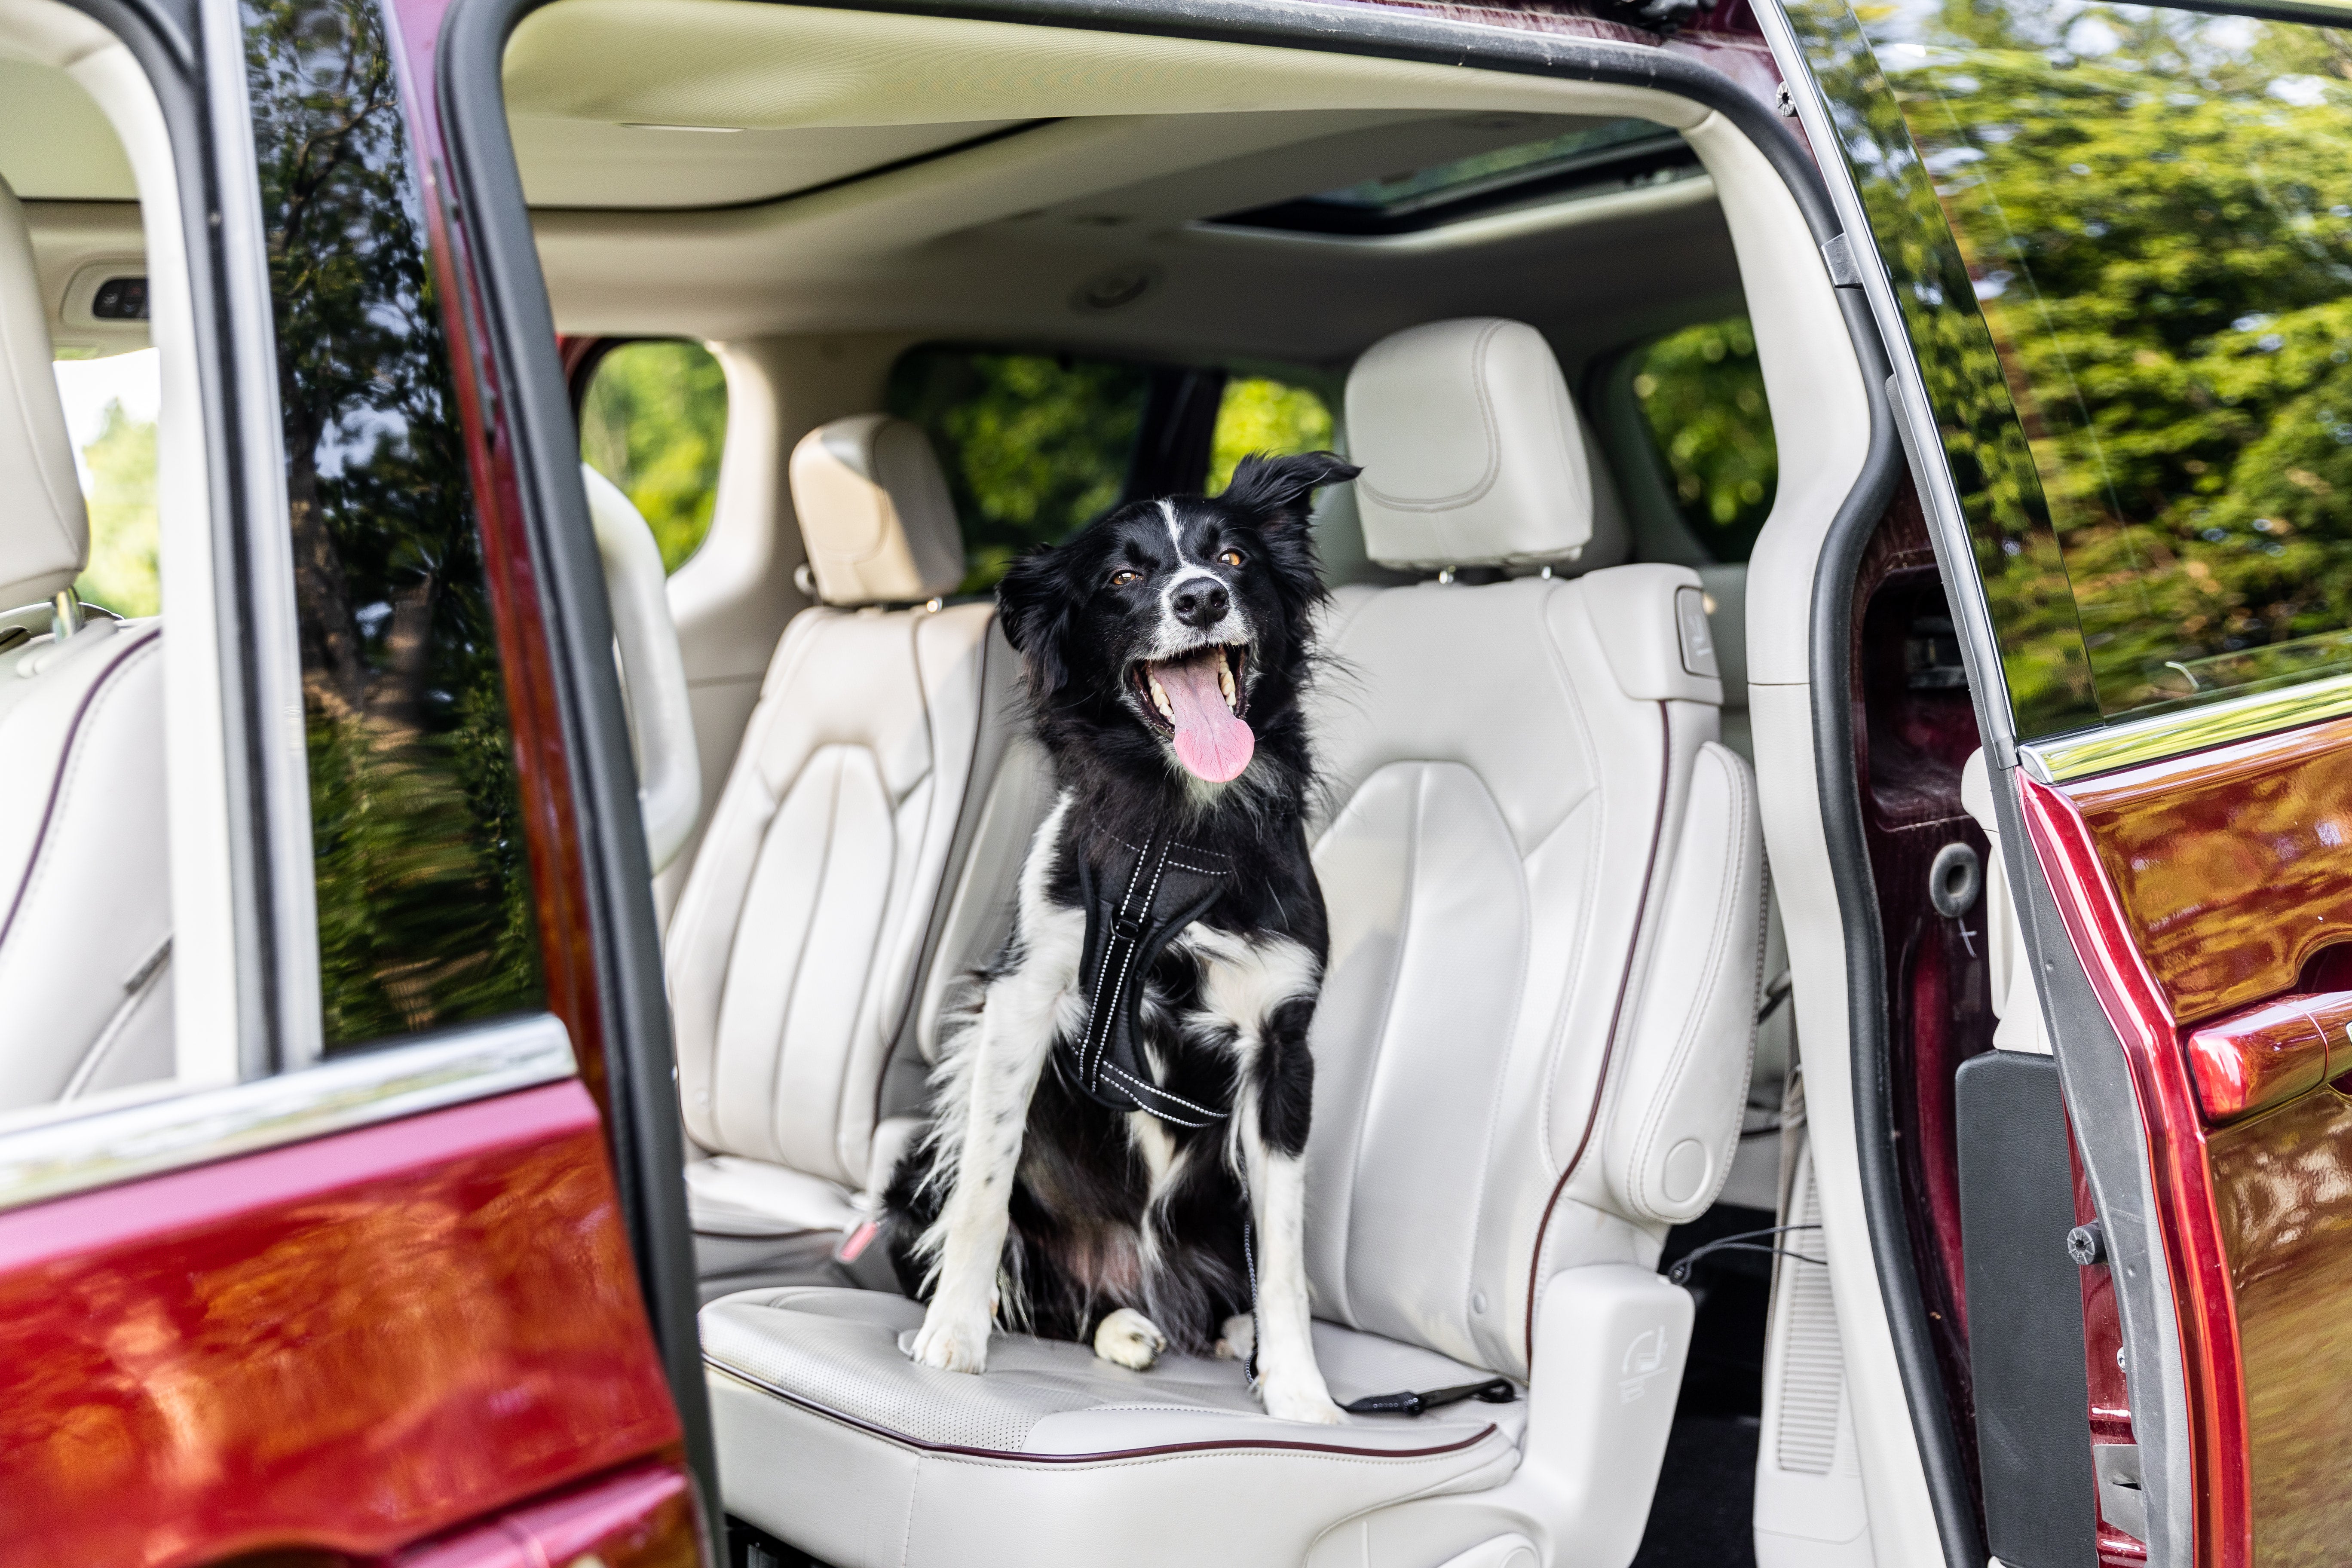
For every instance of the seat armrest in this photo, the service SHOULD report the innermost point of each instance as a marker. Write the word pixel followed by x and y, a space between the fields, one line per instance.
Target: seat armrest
pixel 1674 1123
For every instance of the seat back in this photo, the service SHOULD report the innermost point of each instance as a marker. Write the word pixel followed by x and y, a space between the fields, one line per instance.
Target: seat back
pixel 85 878
pixel 1543 872
pixel 801 941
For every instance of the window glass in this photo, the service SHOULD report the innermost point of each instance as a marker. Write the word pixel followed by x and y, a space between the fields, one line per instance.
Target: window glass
pixel 111 406
pixel 1257 415
pixel 2154 209
pixel 1701 392
pixel 426 916
pixel 1035 446
pixel 654 422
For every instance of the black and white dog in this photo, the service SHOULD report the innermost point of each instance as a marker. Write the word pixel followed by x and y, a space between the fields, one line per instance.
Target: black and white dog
pixel 1121 1115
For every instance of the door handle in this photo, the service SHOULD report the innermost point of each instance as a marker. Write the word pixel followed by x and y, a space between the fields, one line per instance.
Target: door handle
pixel 2268 1055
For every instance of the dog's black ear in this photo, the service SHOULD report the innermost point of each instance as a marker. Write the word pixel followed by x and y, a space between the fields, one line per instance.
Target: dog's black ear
pixel 1033 605
pixel 1279 489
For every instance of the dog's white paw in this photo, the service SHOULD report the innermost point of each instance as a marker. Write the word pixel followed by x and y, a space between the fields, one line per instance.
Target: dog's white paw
pixel 951 1341
pixel 1298 1399
pixel 1237 1338
pixel 1126 1338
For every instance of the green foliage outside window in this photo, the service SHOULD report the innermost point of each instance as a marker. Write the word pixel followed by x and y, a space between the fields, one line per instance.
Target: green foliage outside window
pixel 1036 446
pixel 654 422
pixel 123 573
pixel 2155 213
pixel 1256 415
pixel 1701 394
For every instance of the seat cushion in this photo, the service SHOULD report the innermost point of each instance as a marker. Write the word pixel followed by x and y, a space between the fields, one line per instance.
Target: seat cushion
pixel 825 1428
pixel 730 1196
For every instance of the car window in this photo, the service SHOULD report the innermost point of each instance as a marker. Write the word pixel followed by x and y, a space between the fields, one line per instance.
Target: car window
pixel 111 403
pixel 653 421
pixel 1258 413
pixel 2154 215
pixel 1035 446
pixel 1701 396
pixel 425 909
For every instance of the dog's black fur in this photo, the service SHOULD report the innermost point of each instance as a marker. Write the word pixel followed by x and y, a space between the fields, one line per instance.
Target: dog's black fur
pixel 1082 1190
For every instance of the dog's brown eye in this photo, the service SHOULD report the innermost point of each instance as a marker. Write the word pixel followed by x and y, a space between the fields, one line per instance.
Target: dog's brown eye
pixel 1231 558
pixel 1124 579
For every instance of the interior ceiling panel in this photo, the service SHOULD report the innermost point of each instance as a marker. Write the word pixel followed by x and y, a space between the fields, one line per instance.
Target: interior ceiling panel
pixel 593 163
pixel 54 143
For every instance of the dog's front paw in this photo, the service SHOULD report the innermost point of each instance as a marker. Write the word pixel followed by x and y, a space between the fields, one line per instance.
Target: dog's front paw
pixel 951 1341
pixel 1126 1338
pixel 1298 1399
pixel 1239 1337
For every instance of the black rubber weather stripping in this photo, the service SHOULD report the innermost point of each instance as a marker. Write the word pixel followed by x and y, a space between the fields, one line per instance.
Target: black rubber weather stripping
pixel 1869 1032
pixel 473 40
pixel 641 1071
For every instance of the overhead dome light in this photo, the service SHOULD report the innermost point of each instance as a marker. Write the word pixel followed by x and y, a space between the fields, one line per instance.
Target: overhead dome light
pixel 705 130
pixel 1119 286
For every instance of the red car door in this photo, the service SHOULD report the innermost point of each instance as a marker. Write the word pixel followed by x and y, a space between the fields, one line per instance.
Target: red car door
pixel 2110 253
pixel 381 1255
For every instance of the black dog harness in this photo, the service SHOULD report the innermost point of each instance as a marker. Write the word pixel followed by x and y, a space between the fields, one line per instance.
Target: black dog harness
pixel 1136 902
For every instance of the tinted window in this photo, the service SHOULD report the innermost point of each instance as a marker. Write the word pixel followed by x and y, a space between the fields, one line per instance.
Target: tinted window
pixel 654 422
pixel 2153 213
pixel 1258 414
pixel 1035 446
pixel 424 908
pixel 1701 392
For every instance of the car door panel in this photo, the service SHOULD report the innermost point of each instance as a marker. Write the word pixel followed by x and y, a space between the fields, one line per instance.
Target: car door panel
pixel 351 1344
pixel 2149 624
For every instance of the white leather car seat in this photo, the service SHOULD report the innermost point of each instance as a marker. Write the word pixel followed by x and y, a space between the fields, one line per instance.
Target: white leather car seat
pixel 85 881
pixel 1544 877
pixel 801 946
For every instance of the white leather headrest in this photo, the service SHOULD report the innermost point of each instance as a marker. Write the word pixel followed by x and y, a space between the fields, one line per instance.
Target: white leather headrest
pixel 1472 451
pixel 876 513
pixel 44 530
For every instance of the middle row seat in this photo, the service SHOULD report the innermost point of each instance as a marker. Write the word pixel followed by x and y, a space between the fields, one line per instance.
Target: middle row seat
pixel 835 894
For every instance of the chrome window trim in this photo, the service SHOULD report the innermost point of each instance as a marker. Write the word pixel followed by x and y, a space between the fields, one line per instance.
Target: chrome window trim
pixel 79 1154
pixel 2126 745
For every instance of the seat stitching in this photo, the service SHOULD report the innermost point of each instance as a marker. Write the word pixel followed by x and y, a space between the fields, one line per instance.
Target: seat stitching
pixel 800 955
pixel 1593 856
pixel 1268 1448
pixel 35 863
pixel 1609 1041
pixel 1387 1008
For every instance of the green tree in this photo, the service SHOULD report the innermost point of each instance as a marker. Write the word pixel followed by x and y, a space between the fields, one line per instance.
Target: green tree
pixel 654 421
pixel 123 573
pixel 2154 211
pixel 1702 391
pixel 1255 414
pixel 1036 446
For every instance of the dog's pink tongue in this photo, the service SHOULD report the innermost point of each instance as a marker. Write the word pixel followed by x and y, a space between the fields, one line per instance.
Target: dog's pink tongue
pixel 1211 741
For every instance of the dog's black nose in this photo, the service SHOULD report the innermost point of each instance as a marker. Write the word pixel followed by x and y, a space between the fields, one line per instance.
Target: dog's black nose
pixel 1201 603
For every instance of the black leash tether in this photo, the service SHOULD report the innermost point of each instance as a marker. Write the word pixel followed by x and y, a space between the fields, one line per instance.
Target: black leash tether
pixel 1494 1391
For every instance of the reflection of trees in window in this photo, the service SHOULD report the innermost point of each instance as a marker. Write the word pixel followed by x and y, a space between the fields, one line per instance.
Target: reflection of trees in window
pixel 2156 214
pixel 424 908
pixel 654 422
pixel 1702 394
pixel 1035 446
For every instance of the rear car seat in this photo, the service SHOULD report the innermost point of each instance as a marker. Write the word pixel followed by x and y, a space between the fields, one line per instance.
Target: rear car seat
pixel 800 954
pixel 85 879
pixel 1544 877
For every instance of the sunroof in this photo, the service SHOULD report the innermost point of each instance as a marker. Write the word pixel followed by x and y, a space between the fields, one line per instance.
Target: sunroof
pixel 1615 154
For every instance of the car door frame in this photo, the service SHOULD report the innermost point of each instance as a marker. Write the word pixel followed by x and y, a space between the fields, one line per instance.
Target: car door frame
pixel 606 1028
